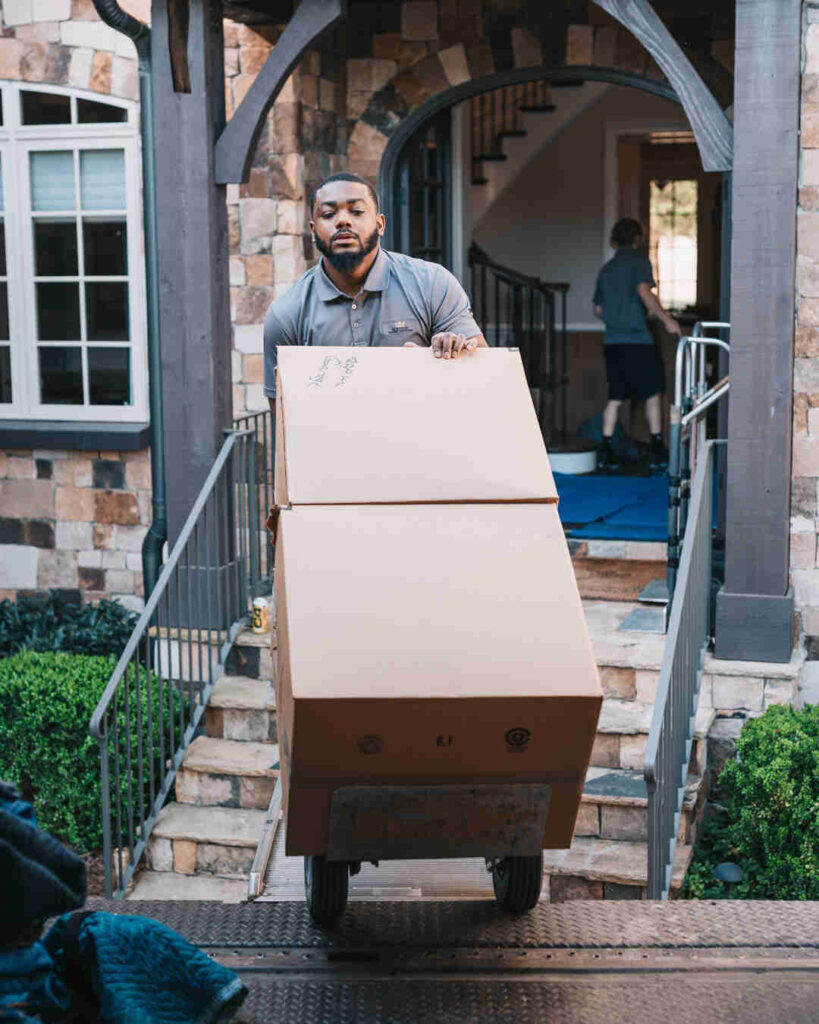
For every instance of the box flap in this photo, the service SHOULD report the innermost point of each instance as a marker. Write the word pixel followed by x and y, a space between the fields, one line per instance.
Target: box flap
pixel 394 425
pixel 433 601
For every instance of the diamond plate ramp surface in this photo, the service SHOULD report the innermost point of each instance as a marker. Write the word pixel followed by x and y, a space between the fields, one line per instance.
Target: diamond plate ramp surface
pixel 574 925
pixel 594 1001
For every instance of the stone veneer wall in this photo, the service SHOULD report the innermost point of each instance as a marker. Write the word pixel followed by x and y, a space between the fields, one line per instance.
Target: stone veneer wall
pixel 804 560
pixel 74 521
pixel 305 139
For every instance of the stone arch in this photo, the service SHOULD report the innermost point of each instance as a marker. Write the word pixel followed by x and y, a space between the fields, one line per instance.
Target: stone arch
pixel 607 52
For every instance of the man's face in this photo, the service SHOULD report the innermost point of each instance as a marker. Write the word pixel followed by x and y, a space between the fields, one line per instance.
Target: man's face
pixel 347 225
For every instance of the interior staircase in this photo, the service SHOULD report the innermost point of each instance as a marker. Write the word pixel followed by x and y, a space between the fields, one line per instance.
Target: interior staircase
pixel 203 843
pixel 511 125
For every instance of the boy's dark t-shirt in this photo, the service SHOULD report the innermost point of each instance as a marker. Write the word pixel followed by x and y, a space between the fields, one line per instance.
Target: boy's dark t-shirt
pixel 623 311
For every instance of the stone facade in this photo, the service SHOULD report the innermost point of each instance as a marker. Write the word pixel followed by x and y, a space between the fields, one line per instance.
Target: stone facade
pixel 804 562
pixel 74 521
pixel 303 141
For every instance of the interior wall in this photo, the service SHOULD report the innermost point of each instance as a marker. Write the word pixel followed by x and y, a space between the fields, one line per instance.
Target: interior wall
pixel 551 222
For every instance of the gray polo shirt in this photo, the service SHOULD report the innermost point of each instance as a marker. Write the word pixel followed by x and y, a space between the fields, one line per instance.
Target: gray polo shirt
pixel 403 299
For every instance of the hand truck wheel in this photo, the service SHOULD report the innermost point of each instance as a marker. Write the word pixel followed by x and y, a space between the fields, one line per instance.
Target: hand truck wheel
pixel 325 888
pixel 517 882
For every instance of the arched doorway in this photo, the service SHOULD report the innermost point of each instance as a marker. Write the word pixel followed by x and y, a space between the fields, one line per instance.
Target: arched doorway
pixel 650 168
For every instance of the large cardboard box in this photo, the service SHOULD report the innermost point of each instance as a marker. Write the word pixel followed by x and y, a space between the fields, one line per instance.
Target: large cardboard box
pixel 430 644
pixel 375 425
pixel 432 651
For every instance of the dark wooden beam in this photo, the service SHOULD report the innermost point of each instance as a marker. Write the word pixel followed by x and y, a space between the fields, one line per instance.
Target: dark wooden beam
pixel 193 255
pixel 179 13
pixel 237 143
pixel 755 607
pixel 711 127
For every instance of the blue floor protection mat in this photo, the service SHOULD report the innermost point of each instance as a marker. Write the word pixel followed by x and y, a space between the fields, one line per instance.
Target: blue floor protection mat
pixel 599 506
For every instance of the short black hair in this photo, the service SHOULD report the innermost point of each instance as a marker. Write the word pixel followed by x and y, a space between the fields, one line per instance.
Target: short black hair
pixel 626 232
pixel 345 176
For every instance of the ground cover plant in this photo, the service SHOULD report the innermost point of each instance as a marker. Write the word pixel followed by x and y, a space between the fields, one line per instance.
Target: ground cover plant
pixel 46 703
pixel 769 823
pixel 52 622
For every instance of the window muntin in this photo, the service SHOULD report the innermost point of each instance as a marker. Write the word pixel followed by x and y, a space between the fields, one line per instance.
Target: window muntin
pixel 76 348
pixel 673 241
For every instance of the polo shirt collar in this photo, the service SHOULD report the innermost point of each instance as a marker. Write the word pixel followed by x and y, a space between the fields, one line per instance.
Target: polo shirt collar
pixel 376 280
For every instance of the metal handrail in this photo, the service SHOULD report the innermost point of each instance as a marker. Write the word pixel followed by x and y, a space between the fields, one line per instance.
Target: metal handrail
pixel 153 705
pixel 671 737
pixel 692 398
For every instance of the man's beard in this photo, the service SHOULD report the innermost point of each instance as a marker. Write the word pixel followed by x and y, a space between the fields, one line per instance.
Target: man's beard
pixel 346 262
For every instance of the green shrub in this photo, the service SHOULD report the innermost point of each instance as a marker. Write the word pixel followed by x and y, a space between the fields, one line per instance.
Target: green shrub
pixel 46 704
pixel 770 824
pixel 50 622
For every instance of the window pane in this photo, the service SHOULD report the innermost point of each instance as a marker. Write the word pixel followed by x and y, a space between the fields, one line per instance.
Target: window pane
pixel 5 374
pixel 45 108
pixel 55 247
pixel 52 181
pixel 102 179
pixel 94 112
pixel 106 311
pixel 109 376
pixel 3 270
pixel 4 311
pixel 105 251
pixel 61 376
pixel 58 312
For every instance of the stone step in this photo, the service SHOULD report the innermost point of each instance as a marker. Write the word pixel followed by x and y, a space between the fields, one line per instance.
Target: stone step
pixel 622 734
pixel 166 885
pixel 242 708
pixel 614 806
pixel 194 840
pixel 599 869
pixel 227 773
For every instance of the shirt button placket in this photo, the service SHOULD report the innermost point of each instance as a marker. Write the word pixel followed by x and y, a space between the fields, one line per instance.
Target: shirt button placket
pixel 355 325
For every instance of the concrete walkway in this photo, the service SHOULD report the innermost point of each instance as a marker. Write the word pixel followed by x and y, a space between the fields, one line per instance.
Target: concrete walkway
pixel 461 963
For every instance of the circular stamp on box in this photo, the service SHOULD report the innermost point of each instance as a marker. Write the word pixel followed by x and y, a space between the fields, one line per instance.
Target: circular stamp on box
pixel 517 739
pixel 370 744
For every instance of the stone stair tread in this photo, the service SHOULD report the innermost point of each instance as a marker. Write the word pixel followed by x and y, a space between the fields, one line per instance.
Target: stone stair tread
pixel 247 638
pixel 630 717
pixel 243 693
pixel 167 885
pixel 221 826
pixel 216 756
pixel 626 717
pixel 619 786
pixel 612 860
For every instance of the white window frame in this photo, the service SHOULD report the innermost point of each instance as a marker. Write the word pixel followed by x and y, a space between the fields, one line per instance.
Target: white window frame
pixel 17 142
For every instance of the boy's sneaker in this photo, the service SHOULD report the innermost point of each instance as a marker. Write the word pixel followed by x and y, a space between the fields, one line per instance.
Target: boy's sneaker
pixel 658 453
pixel 606 459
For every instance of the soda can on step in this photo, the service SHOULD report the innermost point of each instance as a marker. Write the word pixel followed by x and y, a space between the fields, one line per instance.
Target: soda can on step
pixel 258 621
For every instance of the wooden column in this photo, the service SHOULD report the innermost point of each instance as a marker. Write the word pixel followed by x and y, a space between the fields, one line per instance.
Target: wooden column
pixel 193 255
pixel 755 607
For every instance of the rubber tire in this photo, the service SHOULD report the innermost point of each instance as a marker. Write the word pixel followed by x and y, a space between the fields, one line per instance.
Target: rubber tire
pixel 325 889
pixel 517 882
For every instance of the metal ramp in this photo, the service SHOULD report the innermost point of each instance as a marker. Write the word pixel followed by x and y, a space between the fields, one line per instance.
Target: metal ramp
pixel 465 962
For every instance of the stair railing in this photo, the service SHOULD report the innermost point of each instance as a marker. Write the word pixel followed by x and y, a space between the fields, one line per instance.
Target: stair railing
pixel 153 705
pixel 692 397
pixel 671 737
pixel 518 311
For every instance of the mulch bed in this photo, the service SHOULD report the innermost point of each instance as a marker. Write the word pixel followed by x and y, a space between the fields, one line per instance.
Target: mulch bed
pixel 95 866
pixel 615 579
